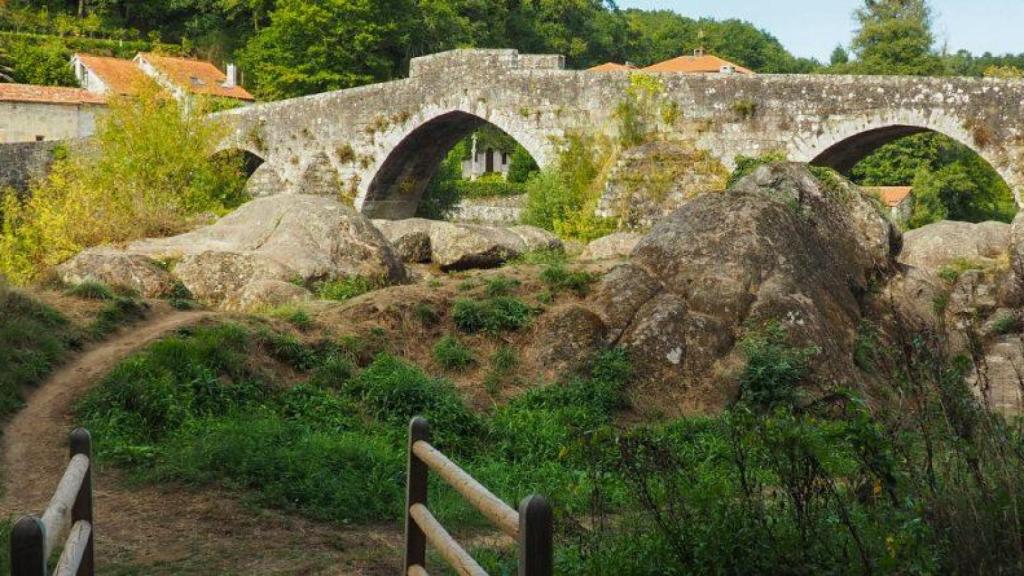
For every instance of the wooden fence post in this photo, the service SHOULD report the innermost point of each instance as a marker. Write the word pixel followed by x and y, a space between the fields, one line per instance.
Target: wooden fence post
pixel 416 493
pixel 81 443
pixel 536 527
pixel 28 547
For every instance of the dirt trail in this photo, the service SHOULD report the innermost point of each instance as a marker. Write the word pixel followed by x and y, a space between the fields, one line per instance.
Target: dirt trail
pixel 169 529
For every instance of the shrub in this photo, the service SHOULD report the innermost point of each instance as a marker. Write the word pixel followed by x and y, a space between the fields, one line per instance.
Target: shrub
pixel 488 187
pixel 152 169
pixel 452 354
pixel 394 391
pixel 345 288
pixel 773 369
pixel 295 315
pixel 493 315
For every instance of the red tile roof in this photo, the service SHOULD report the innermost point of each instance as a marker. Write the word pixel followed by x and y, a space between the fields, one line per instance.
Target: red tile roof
pixel 611 67
pixel 120 76
pixel 195 76
pixel 48 94
pixel 892 196
pixel 697 64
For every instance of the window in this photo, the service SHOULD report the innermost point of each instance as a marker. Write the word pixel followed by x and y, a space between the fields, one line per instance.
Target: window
pixel 40 137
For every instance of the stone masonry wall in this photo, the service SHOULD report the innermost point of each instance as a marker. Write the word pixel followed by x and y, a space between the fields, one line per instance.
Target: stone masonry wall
pixel 21 162
pixel 382 141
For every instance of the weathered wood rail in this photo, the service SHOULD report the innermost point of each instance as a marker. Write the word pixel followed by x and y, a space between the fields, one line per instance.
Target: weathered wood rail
pixel 34 538
pixel 531 526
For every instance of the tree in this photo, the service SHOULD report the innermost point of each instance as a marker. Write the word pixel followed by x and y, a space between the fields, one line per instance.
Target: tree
pixel 839 56
pixel 895 37
pixel 320 45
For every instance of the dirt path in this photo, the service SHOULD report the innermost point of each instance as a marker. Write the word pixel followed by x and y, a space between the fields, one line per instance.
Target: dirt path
pixel 169 529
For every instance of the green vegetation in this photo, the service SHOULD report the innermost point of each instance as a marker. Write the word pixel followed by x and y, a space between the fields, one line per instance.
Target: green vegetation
pixel 453 355
pixel 781 482
pixel 151 171
pixel 91 289
pixel 951 182
pixel 33 340
pixel 564 198
pixel 558 278
pixel 344 288
pixel 746 165
pixel 494 315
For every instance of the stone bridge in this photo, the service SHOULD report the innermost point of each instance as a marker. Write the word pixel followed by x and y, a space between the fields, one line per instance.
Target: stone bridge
pixel 381 144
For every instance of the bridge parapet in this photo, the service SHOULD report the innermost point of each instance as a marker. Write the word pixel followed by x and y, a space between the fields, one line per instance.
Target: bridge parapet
pixel 458 63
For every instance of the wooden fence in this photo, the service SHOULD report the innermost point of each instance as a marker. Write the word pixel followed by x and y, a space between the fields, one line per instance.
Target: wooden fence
pixel 33 539
pixel 531 526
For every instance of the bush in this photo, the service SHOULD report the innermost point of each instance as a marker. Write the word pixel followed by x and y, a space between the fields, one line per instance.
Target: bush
pixel 564 199
pixel 394 391
pixel 521 166
pixel 493 315
pixel 452 354
pixel 151 170
pixel 773 369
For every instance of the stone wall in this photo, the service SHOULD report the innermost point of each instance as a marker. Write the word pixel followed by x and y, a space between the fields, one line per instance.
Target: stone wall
pixel 23 161
pixel 383 141
pixel 33 121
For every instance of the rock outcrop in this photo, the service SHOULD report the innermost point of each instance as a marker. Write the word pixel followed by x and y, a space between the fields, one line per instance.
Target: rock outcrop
pixel 280 238
pixel 780 246
pixel 133 272
pixel 612 246
pixel 946 243
pixel 455 246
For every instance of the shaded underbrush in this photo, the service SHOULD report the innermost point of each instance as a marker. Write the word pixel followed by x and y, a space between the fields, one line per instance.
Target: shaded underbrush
pixel 920 480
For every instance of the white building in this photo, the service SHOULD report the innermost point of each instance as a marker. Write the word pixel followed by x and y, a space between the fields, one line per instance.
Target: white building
pixel 489 161
pixel 39 113
pixel 183 77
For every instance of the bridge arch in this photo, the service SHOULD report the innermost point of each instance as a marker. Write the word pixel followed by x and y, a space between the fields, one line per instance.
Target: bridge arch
pixel 395 183
pixel 841 145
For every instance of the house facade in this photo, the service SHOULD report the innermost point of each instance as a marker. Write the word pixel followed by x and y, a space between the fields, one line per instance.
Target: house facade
pixel 898 199
pixel 182 77
pixel 42 113
pixel 489 161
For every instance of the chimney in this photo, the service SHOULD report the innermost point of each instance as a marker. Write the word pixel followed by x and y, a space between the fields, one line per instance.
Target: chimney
pixel 698 52
pixel 232 76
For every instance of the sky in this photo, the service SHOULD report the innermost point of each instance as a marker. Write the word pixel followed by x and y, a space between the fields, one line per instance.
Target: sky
pixel 813 28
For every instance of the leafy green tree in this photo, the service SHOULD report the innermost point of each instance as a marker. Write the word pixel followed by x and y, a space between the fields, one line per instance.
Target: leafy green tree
pixel 839 56
pixel 45 62
pixel 950 180
pixel 316 46
pixel 895 37
pixel 521 166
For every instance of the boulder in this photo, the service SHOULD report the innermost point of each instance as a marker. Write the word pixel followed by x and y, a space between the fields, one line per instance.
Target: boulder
pixel 567 338
pixel 944 243
pixel 410 238
pixel 780 246
pixel 537 238
pixel 465 246
pixel 999 381
pixel 263 294
pixel 134 272
pixel 613 246
pixel 279 238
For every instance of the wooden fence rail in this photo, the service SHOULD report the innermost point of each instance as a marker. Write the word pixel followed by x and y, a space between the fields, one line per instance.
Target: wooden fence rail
pixel 33 538
pixel 531 526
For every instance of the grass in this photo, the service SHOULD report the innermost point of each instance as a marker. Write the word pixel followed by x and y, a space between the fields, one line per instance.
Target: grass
pixel 91 290
pixel 116 313
pixel 502 368
pixel 295 315
pixel 558 278
pixel 34 339
pixel 344 288
pixel 501 286
pixel 493 315
pixel 453 355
